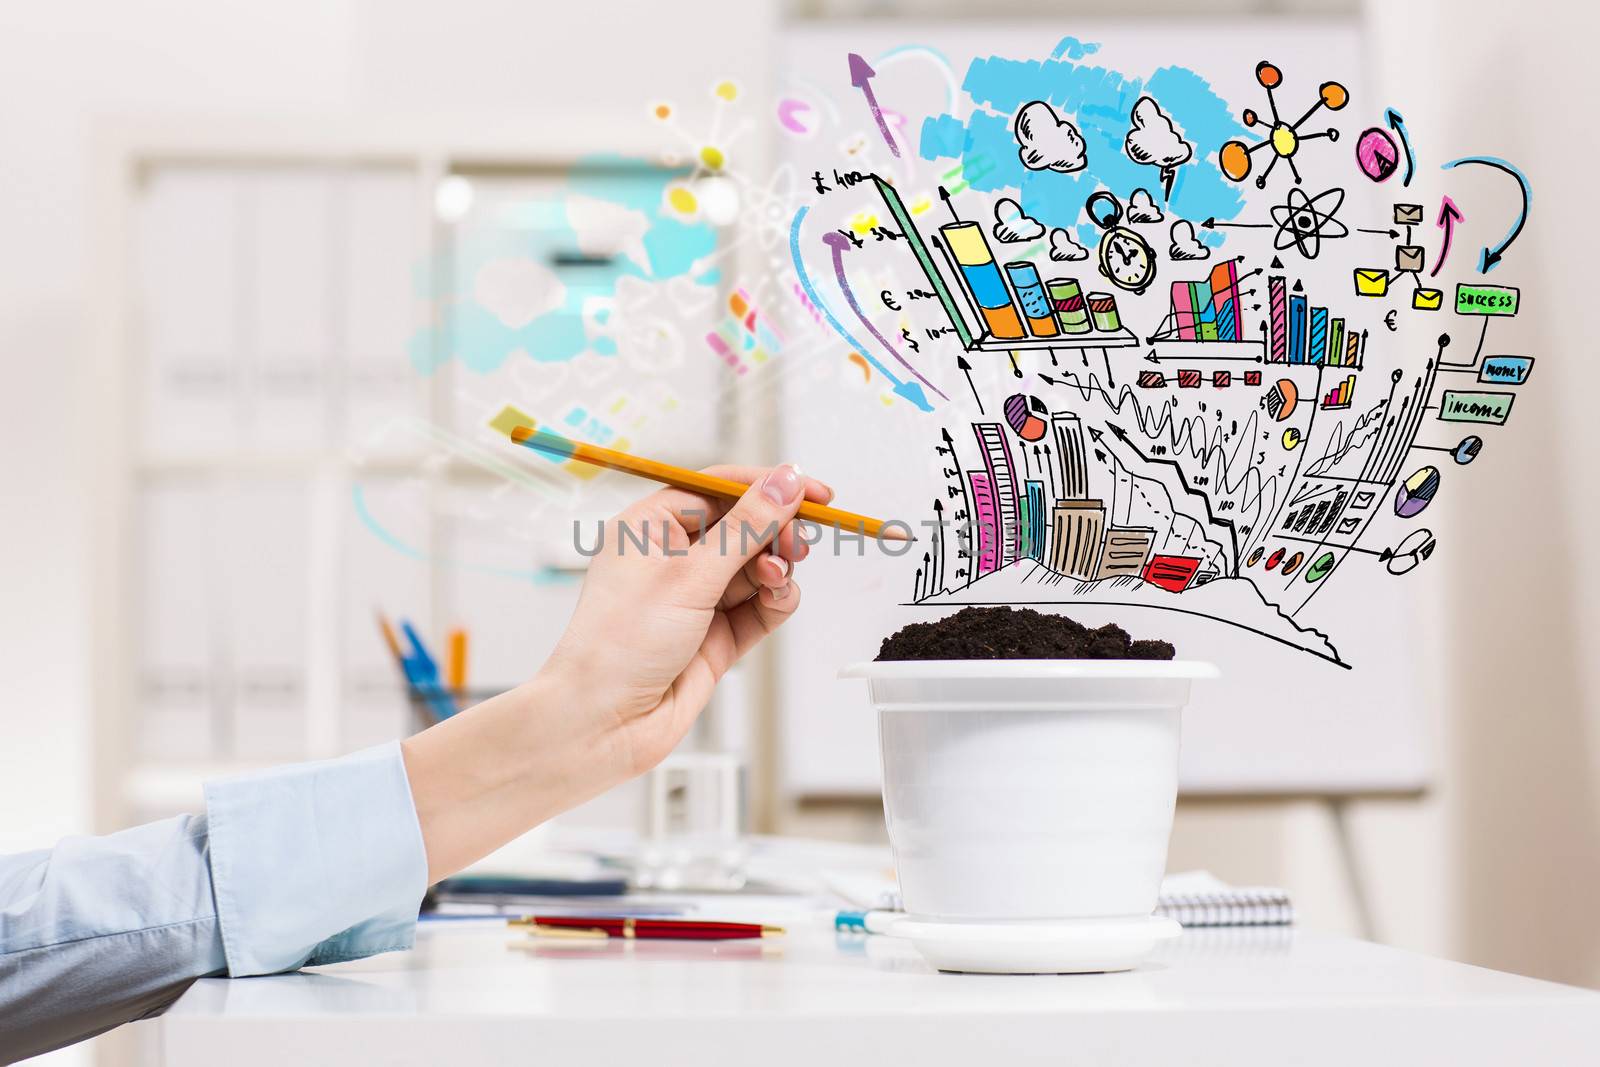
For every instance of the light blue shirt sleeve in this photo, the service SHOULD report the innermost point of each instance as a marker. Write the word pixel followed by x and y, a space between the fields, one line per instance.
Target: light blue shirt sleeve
pixel 301 865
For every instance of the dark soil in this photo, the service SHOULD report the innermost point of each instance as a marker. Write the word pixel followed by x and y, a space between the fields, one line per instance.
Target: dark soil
pixel 1016 633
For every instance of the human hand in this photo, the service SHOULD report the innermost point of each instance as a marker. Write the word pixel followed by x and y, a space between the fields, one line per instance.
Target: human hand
pixel 680 587
pixel 654 630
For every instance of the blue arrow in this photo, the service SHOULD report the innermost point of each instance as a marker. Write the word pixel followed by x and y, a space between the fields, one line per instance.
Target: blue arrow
pixel 1490 258
pixel 1398 125
pixel 909 390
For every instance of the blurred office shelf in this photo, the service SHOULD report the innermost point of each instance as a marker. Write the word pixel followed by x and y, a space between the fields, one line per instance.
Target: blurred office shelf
pixel 279 463
pixel 153 791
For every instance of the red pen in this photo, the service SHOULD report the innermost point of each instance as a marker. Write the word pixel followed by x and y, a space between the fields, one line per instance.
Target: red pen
pixel 629 929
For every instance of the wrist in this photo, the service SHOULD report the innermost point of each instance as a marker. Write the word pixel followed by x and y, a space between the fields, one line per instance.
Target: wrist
pixel 566 721
pixel 495 771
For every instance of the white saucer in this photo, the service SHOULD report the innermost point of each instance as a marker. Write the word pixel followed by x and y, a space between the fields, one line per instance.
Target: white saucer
pixel 1058 946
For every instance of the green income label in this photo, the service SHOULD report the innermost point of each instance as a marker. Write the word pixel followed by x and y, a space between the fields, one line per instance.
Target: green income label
pixel 1458 405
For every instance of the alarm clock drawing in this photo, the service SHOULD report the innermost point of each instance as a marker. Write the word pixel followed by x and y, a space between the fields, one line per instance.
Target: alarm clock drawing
pixel 1126 259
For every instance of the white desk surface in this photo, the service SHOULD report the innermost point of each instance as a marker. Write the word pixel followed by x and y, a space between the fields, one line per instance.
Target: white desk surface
pixel 1225 997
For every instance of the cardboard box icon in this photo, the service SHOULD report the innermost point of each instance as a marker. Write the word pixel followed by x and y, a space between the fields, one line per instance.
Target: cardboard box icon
pixel 1410 258
pixel 1427 299
pixel 1371 281
pixel 1221 379
pixel 1408 214
pixel 1252 377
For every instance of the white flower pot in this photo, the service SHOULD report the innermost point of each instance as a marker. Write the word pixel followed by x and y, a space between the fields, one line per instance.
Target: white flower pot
pixel 1029 789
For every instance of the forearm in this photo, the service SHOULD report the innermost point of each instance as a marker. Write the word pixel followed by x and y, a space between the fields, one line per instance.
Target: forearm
pixel 309 863
pixel 490 774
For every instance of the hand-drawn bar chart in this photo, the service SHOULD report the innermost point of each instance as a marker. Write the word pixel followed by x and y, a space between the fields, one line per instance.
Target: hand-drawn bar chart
pixel 1011 309
pixel 1030 311
pixel 1299 332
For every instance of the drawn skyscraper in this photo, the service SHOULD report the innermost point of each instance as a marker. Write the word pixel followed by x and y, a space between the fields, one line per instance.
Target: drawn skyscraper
pixel 985 523
pixel 1125 551
pixel 1002 480
pixel 1075 541
pixel 1071 455
pixel 1036 520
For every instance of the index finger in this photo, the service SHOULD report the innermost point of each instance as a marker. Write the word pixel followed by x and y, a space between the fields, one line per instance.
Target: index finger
pixel 686 506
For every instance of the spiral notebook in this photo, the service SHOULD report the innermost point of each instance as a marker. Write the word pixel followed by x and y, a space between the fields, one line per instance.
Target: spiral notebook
pixel 1199 898
pixel 1192 898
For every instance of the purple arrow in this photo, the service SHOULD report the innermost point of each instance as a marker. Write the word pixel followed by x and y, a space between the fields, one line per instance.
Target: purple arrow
pixel 861 76
pixel 839 242
pixel 1449 215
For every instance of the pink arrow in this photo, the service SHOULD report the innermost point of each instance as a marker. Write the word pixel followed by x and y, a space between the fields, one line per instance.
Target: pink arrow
pixel 861 76
pixel 1449 215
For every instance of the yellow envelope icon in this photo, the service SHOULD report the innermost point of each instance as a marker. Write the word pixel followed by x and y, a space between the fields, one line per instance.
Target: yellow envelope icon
pixel 1427 299
pixel 1371 281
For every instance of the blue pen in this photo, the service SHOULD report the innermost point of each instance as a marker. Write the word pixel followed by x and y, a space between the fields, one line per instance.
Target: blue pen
pixel 422 671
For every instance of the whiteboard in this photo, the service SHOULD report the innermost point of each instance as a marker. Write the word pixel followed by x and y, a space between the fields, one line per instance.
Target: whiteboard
pixel 1281 720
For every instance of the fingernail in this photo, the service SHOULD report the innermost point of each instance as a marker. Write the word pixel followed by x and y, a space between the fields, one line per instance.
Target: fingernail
pixel 783 485
pixel 780 592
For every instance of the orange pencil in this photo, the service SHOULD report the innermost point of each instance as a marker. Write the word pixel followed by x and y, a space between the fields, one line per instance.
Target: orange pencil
pixel 390 639
pixel 564 447
pixel 456 669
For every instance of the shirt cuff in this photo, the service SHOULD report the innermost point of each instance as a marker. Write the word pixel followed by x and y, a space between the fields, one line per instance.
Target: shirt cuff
pixel 316 862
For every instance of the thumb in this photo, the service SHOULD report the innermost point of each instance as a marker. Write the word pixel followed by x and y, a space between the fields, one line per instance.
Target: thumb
pixel 749 526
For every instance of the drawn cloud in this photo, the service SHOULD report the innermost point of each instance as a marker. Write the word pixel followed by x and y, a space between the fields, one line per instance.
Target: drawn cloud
pixel 1012 225
pixel 1064 248
pixel 517 290
pixel 1153 140
pixel 1142 207
pixel 1046 141
pixel 1185 245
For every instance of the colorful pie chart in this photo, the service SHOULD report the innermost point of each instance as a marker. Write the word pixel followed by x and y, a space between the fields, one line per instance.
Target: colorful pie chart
pixel 1416 492
pixel 1282 398
pixel 1026 416
pixel 1320 568
pixel 1292 564
pixel 1377 155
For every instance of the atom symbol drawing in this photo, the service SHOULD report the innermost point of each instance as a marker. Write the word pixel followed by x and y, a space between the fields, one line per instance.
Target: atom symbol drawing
pixel 1284 138
pixel 1303 221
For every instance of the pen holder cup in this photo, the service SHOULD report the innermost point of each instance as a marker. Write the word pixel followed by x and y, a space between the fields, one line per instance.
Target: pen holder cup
pixel 428 705
pixel 1029 789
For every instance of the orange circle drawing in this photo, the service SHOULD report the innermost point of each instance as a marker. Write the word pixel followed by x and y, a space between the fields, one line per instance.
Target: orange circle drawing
pixel 1235 160
pixel 1268 75
pixel 1334 96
